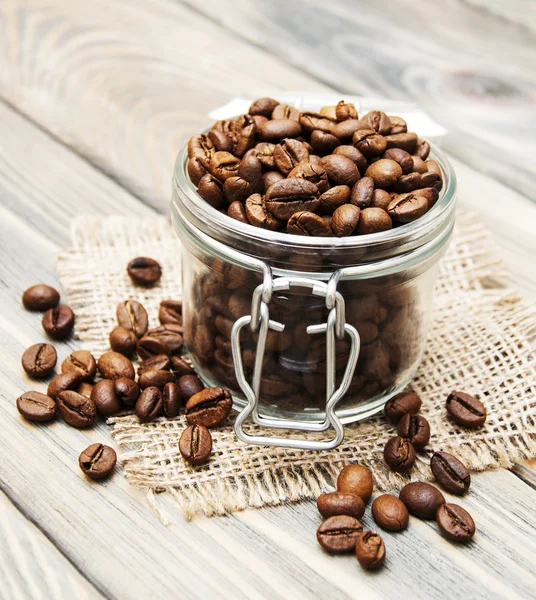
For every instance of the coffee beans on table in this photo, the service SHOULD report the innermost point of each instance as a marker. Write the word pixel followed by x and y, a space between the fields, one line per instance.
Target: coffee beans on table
pixel 58 322
pixel 455 523
pixel 155 377
pixel 150 346
pixel 97 461
pixel 172 399
pixel 399 405
pixel 80 361
pixel 422 499
pixel 170 312
pixel 195 444
pixel 86 389
pixel 190 385
pixel 450 472
pixel 40 297
pixel 415 429
pixel 180 367
pixel 113 365
pixel 339 534
pixel 39 360
pixel 106 399
pixel 144 271
pixel 128 391
pixel 390 513
pixel 149 405
pixel 338 503
pixel 357 480
pixel 370 550
pixel 35 406
pixel 399 454
pixel 209 407
pixel 160 362
pixel 76 410
pixel 64 381
pixel 124 341
pixel 132 315
pixel 466 410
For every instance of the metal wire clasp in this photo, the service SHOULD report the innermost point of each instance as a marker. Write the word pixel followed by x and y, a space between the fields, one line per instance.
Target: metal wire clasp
pixel 260 322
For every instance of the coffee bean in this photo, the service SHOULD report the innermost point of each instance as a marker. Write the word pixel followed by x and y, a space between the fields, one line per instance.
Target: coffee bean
pixel 373 220
pixel 369 143
pixel 149 405
pixel 132 315
pixel 85 389
pixel 197 169
pixel 195 444
pixel 76 410
pixel 339 534
pixel 406 141
pixel 346 129
pixel 340 170
pixel 418 165
pixel 406 208
pixel 172 399
pixel 422 499
pixel 144 271
pixel 279 129
pixel 357 480
pixel 415 429
pixel 209 407
pixel 113 365
pixel 180 367
pixel 210 189
pixel 399 454
pixel 466 410
pixel 408 183
pixel 150 346
pixel 127 390
pixel 160 361
pixel 423 149
pixel 284 111
pixel 345 220
pixel 403 158
pixel 380 199
pixel 58 322
pixel 354 155
pixel 269 178
pixel 308 223
pixel 124 341
pixel 324 143
pixel 236 188
pixel 333 198
pixel 384 172
pixel 221 140
pixel 171 335
pixel 263 106
pixel 39 360
pixel 313 172
pixel 455 523
pixel 398 125
pixel 189 386
pixel 40 297
pixel 237 211
pixel 337 503
pixel 244 134
pixel 289 153
pixel 105 398
pixel 170 311
pixel 62 382
pixel 450 472
pixel 378 121
pixel 35 406
pixel 223 165
pixel 362 193
pixel 370 550
pixel 258 214
pixel 288 196
pixel 97 461
pixel 399 405
pixel 80 361
pixel 155 378
pixel 200 146
pixel 345 110
pixel 390 513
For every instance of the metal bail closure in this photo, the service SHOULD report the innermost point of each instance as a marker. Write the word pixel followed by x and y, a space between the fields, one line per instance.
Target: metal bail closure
pixel 259 320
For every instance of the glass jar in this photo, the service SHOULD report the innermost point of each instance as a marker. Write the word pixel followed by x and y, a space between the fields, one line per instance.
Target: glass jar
pixel 307 332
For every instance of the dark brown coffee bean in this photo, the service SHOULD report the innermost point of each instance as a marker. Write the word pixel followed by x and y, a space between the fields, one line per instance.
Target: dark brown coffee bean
pixel 35 406
pixel 160 361
pixel 124 341
pixel 288 196
pixel 155 378
pixel 362 193
pixel 180 367
pixel 197 169
pixel 113 365
pixel 346 129
pixel 259 216
pixel 357 480
pixel 418 165
pixel 105 398
pixel 76 410
pixel 86 389
pixel 333 198
pixel 40 297
pixel 189 386
pixel 339 534
pixel 422 499
pixel 384 172
pixel 263 107
pixel 80 361
pixel 127 390
pixel 399 405
pixel 211 190
pixel 408 183
pixel 423 149
pixel 62 382
pixel 270 178
pixel 310 121
pixel 172 399
pixel 373 220
pixel 236 189
pixel 195 444
pixel 398 125
pixel 416 429
pixel 144 271
pixel 450 472
pixel 279 129
pixel 345 220
pixel 97 461
pixel 390 513
pixel 39 360
pixel 354 155
pixel 209 407
pixel 150 346
pixel 337 503
pixel 308 223
pixel 378 121
pixel 466 410
pixel 58 322
pixel 132 315
pixel 289 153
pixel 407 208
pixel 380 199
pixel 399 454
pixel 244 134
pixel 324 143
pixel 370 550
pixel 149 405
pixel 345 110
pixel 284 111
pixel 250 168
pixel 237 211
pixel 403 158
pixel 171 334
pixel 455 523
pixel 406 141
pixel 170 311
pixel 223 165
pixel 340 170
pixel 200 146
pixel 369 143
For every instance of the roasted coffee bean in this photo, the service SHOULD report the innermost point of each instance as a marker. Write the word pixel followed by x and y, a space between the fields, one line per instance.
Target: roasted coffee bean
pixel 171 334
pixel 370 550
pixel 40 297
pixel 105 398
pixel 200 146
pixel 340 170
pixel 244 134
pixel 369 143
pixel 211 190
pixel 180 367
pixel 329 112
pixel 149 405
pixel 155 378
pixel 418 165
pixel 406 141
pixel 455 523
pixel 250 168
pixel 279 129
pixel 128 391
pixel 399 454
pixel 377 121
pixel 195 444
pixel 380 199
pixel 288 196
pixel 399 405
pixel 189 386
pixel 414 428
pixel 431 195
pixel 289 153
pixel 237 211
pixel 284 111
pixel 196 169
pixel 345 220
pixel 423 149
pixel 39 360
pixel 362 193
pixel 269 178
pixel 224 165
pixel 354 155
pixel 308 223
pixel 172 399
pixel 333 198
pixel 422 499
pixel 384 172
pixel 346 129
pixel 408 183
pixel 324 143
pixel 373 220
pixel 144 271
pixel 221 136
pixel 313 172
pixel 339 534
pixel 86 389
pixel 337 503
pixel 263 107
pixel 58 322
pixel 35 406
pixel 124 341
pixel 80 361
pixel 76 410
pixel 357 480
pixel 345 110
pixel 151 345
pixel 450 472
pixel 433 167
pixel 390 513
pixel 160 361
pixel 466 410
pixel 132 315
pixel 62 382
pixel 209 407
pixel 97 461
pixel 236 189
pixel 398 125
pixel 406 208
pixel 170 312
pixel 113 365
pixel 310 121
pixel 258 215
pixel 403 158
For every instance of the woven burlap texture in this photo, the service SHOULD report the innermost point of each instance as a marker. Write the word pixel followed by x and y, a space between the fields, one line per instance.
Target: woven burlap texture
pixel 478 343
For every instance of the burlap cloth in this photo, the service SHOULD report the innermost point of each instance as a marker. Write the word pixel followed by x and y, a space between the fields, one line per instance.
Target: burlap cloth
pixel 479 343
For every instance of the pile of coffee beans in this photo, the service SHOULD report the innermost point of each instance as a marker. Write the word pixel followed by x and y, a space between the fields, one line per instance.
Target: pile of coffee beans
pixel 326 173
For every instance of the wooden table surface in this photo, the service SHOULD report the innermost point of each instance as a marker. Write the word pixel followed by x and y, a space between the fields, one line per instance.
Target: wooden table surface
pixel 95 100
